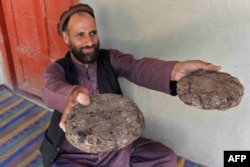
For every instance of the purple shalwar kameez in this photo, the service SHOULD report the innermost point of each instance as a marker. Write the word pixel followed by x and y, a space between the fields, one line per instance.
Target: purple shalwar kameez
pixel 147 72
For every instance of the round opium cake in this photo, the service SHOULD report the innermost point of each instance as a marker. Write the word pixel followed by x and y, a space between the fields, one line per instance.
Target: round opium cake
pixel 210 90
pixel 109 123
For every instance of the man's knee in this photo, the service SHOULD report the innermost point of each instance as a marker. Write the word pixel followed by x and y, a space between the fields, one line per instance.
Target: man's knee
pixel 170 157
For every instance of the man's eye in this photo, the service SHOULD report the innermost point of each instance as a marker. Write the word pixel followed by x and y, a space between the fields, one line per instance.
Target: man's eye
pixel 79 35
pixel 93 33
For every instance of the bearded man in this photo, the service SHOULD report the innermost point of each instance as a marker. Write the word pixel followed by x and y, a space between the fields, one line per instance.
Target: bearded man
pixel 85 71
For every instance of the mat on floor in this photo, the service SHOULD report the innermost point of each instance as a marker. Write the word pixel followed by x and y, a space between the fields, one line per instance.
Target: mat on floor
pixel 182 162
pixel 22 126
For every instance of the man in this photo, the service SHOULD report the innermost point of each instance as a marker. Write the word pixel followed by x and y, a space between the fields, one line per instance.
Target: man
pixel 87 70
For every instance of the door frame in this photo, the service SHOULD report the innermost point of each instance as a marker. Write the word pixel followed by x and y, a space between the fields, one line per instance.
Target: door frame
pixel 5 48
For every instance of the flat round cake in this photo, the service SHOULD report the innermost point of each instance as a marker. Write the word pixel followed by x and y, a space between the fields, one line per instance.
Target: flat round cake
pixel 210 90
pixel 109 123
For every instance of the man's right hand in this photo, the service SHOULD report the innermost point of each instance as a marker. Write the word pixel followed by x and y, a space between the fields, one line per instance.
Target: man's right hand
pixel 78 95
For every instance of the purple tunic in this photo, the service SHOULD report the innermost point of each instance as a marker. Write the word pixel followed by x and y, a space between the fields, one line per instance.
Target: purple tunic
pixel 147 72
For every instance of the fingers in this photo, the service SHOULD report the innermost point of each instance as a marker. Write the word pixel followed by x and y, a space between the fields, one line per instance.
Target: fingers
pixel 83 99
pixel 183 68
pixel 64 117
pixel 212 67
pixel 71 102
pixel 78 95
pixel 194 65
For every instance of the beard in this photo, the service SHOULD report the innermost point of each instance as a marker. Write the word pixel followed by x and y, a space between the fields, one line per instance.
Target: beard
pixel 82 57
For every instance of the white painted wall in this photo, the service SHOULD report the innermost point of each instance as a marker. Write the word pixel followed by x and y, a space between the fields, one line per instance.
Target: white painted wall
pixel 217 31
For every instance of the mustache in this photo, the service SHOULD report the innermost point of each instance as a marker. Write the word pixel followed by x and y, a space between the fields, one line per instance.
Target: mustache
pixel 88 47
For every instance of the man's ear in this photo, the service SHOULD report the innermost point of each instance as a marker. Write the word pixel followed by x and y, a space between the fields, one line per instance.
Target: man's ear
pixel 65 37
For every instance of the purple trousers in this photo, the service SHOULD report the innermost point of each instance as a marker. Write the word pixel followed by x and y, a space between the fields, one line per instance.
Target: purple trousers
pixel 141 153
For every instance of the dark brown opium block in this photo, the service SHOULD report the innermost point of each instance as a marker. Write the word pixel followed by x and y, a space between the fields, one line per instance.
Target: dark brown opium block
pixel 210 90
pixel 109 123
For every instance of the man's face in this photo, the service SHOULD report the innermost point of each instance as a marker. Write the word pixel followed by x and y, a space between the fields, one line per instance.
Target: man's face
pixel 82 38
pixel 84 57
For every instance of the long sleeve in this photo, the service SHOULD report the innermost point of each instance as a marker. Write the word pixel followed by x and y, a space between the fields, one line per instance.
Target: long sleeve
pixel 147 72
pixel 56 89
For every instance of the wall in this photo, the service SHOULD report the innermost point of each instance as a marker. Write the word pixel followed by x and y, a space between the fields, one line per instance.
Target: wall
pixel 212 30
pixel 2 76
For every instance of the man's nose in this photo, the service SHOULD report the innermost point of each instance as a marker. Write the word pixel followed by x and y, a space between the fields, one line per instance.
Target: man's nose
pixel 88 41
